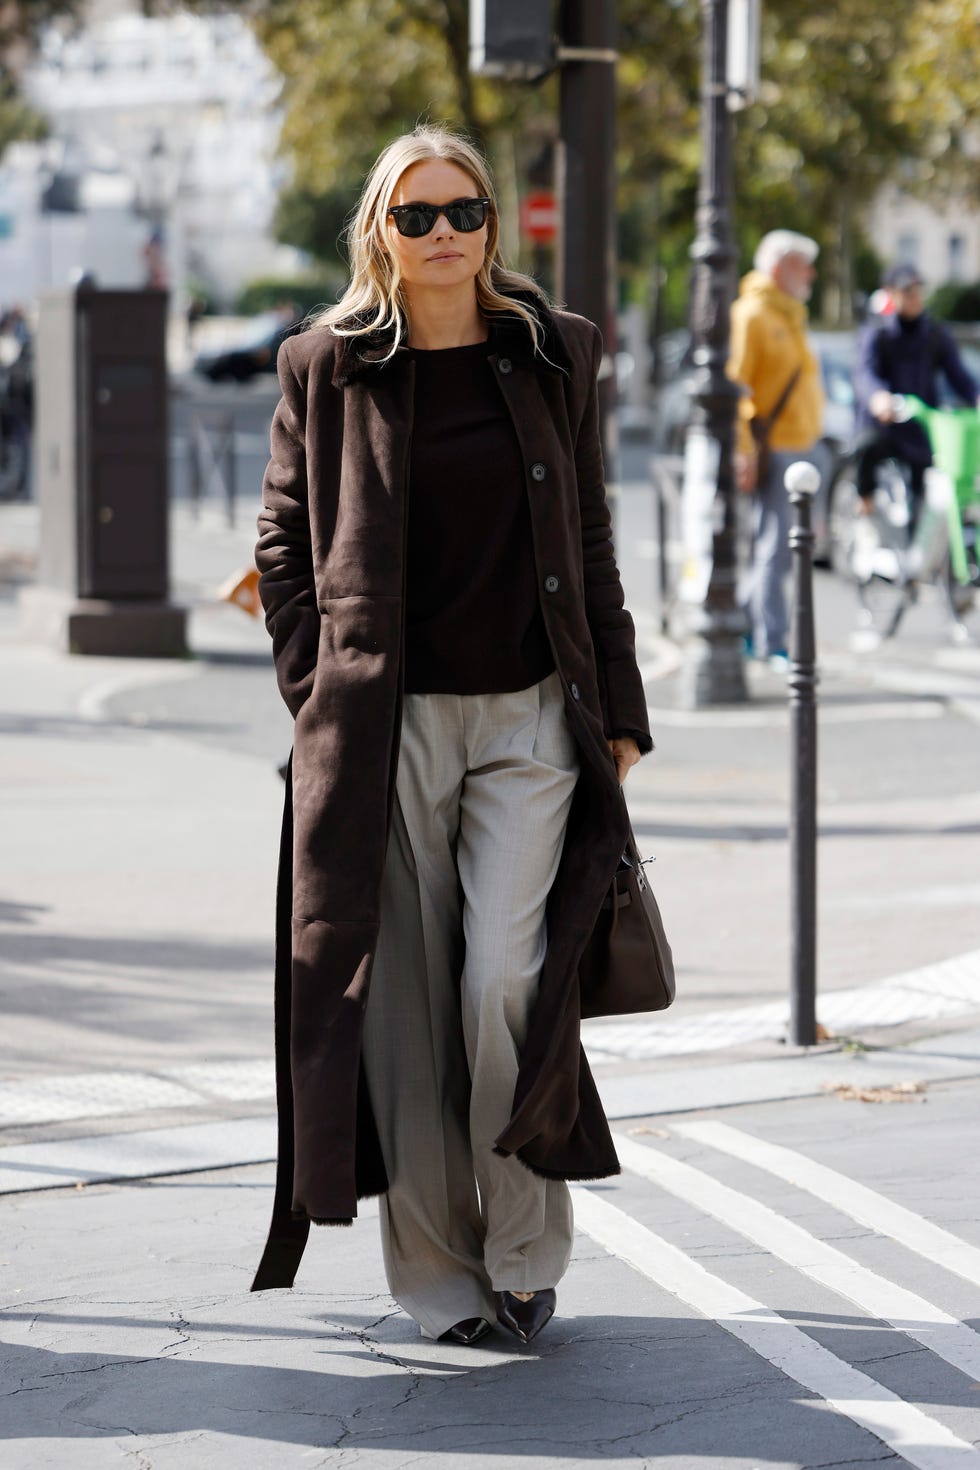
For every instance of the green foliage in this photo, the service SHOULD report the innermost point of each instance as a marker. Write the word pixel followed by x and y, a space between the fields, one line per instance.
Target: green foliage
pixel 18 121
pixel 313 222
pixel 19 24
pixel 956 302
pixel 268 292
pixel 853 94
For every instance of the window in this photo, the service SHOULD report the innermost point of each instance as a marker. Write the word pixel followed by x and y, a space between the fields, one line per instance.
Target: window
pixel 956 248
pixel 908 250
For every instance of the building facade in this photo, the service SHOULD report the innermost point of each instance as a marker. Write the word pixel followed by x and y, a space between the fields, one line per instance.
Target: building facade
pixel 941 241
pixel 162 158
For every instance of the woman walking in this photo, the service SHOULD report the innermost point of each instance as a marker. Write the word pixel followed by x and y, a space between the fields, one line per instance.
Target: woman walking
pixel 449 632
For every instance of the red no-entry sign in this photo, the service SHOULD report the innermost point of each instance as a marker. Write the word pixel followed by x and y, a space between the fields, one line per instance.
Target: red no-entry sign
pixel 539 217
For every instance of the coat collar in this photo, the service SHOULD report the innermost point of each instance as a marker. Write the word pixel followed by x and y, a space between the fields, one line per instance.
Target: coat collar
pixel 361 359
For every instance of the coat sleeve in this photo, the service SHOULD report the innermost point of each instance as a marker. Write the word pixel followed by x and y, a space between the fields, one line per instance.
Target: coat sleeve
pixel 954 369
pixel 284 554
pixel 869 369
pixel 624 706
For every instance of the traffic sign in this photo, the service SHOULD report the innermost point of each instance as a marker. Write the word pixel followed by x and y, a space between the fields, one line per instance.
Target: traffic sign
pixel 539 217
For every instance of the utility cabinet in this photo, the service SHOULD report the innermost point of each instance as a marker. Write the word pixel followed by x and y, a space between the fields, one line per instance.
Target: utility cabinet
pixel 101 457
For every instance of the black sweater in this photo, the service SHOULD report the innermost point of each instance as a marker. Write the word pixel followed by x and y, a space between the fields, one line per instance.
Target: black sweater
pixel 473 620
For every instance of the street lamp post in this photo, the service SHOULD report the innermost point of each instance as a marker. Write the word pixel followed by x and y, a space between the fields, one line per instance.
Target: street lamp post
pixel 712 672
pixel 586 273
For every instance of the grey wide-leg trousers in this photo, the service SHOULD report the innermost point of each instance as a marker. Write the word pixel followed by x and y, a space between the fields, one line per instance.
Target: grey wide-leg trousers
pixel 483 792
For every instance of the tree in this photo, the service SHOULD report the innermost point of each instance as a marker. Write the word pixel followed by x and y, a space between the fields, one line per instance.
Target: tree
pixel 853 94
pixel 357 72
pixel 20 22
pixel 938 94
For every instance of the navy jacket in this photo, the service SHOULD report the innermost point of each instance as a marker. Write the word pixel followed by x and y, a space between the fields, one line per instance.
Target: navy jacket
pixel 908 359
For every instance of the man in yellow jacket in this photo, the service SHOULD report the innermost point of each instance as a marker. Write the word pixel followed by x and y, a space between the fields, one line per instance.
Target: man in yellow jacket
pixel 782 406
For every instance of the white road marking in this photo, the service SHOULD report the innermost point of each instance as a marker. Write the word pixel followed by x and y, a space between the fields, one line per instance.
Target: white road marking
pixel 32 1100
pixel 923 1442
pixel 778 716
pixel 936 1330
pixel 89 1095
pixel 862 1204
pixel 93 702
pixel 947 988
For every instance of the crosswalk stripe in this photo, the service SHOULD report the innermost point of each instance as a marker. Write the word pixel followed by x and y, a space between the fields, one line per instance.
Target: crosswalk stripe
pixel 921 1441
pixel 847 1196
pixel 935 1329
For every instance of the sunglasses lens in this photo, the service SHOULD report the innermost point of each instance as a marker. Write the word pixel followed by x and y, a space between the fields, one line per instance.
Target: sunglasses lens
pixel 415 222
pixel 467 217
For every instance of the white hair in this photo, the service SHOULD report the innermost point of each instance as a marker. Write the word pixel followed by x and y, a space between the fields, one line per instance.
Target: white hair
pixel 777 243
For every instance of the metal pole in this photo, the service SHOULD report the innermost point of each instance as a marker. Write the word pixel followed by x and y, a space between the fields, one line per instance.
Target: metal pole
pixel 802 482
pixel 586 262
pixel 228 450
pixel 713 672
pixel 196 486
pixel 662 567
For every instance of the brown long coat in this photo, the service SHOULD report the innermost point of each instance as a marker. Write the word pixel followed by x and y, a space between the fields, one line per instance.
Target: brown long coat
pixel 332 562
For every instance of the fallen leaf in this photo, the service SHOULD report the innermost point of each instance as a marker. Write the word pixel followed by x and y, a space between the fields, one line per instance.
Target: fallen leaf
pixel 651 1132
pixel 894 1092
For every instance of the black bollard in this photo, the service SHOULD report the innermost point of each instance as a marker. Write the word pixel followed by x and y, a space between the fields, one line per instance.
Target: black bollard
pixel 802 482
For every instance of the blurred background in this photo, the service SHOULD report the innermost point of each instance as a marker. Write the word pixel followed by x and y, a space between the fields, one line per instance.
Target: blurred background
pixel 215 150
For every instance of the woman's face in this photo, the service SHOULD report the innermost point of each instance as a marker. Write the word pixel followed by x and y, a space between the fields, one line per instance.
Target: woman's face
pixel 443 257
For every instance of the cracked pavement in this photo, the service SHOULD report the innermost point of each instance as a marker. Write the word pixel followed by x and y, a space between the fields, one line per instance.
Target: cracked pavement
pixel 153 1354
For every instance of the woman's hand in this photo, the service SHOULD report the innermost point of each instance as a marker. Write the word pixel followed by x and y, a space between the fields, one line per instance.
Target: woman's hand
pixel 625 753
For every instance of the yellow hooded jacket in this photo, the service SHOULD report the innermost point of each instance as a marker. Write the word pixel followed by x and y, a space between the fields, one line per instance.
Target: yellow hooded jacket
pixel 768 344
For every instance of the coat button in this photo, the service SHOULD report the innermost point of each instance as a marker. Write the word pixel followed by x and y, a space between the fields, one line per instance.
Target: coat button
pixel 538 471
pixel 573 691
pixel 505 365
pixel 551 584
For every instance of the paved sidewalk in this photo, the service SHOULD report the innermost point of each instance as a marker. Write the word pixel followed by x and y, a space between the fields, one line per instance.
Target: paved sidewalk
pixel 790 1288
pixel 770 1324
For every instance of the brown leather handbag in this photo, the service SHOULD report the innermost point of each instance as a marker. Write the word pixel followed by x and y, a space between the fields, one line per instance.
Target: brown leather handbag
pixel 627 966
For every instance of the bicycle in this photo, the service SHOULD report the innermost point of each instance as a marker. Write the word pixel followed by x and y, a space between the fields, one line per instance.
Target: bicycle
pixel 888 565
pixel 868 549
pixel 954 434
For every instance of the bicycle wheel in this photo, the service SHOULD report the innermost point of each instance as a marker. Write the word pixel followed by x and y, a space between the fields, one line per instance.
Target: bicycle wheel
pixel 873 550
pixel 963 598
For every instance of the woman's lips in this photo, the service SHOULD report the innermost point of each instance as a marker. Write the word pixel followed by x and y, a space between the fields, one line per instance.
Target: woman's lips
pixel 447 255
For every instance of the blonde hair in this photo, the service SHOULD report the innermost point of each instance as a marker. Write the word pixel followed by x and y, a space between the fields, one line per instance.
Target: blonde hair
pixel 373 300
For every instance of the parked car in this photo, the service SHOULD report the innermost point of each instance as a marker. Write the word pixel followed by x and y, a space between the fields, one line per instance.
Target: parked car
pixel 835 352
pixel 256 352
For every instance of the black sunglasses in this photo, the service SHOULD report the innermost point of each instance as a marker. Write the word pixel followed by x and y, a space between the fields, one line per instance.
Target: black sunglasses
pixel 465 215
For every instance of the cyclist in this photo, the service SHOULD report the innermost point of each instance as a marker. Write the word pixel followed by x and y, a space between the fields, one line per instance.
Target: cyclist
pixel 904 351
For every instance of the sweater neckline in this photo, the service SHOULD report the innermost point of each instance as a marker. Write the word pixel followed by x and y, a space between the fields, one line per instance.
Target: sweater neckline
pixel 443 352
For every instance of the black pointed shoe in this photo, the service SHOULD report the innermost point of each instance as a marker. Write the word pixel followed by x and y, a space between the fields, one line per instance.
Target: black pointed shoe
pixel 468 1332
pixel 525 1319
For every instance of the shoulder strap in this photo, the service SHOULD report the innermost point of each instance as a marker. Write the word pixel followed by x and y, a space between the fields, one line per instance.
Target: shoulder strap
pixel 762 426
